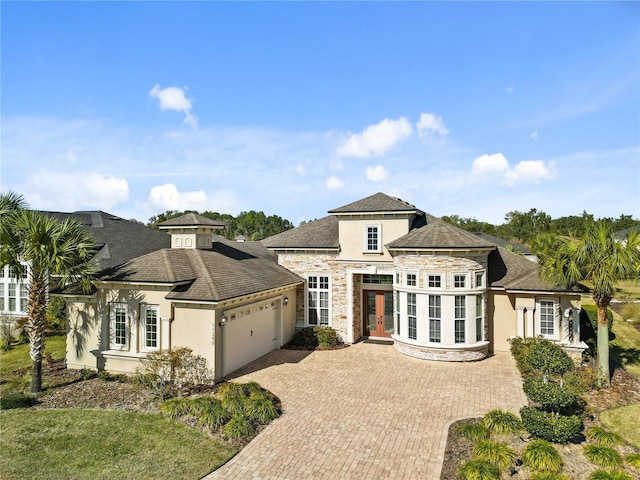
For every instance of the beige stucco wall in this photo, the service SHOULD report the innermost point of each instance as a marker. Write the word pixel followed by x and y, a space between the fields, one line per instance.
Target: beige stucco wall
pixel 193 327
pixel 501 307
pixel 352 237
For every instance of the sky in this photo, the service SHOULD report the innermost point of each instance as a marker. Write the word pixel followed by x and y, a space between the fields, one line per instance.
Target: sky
pixel 296 108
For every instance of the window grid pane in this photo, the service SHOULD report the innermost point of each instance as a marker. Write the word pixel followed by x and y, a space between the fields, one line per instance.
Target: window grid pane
pixel 546 318
pixel 411 279
pixel 435 281
pixel 459 281
pixel 151 328
pixel 318 296
pixel 479 326
pixel 435 314
pixel 120 326
pixel 460 316
pixel 411 316
pixel 372 238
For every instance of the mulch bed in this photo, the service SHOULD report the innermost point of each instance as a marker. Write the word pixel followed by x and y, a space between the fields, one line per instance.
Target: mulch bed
pixel 624 390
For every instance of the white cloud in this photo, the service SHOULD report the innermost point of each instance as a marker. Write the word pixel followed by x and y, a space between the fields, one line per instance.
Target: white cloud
pixel 334 183
pixel 301 169
pixel 489 164
pixel 376 139
pixel 534 134
pixel 336 165
pixel 526 171
pixel 167 197
pixel 174 98
pixel 430 123
pixel 377 173
pixel 70 191
pixel 529 171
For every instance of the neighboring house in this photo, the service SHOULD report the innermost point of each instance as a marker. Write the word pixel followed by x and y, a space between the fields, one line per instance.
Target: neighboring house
pixel 230 302
pixel 382 268
pixel 512 246
pixel 117 240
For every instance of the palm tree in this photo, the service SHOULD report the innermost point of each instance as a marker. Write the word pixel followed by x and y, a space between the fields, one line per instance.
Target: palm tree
pixel 601 260
pixel 58 255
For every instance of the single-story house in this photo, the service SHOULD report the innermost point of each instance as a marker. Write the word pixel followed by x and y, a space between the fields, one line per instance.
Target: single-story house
pixel 376 268
pixel 227 301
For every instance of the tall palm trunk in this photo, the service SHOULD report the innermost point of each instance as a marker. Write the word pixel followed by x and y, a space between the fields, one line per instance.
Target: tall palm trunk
pixel 604 374
pixel 35 327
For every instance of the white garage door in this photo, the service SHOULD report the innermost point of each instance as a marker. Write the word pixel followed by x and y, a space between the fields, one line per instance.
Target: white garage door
pixel 250 335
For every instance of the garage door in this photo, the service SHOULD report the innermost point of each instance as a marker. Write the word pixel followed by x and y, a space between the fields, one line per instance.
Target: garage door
pixel 250 333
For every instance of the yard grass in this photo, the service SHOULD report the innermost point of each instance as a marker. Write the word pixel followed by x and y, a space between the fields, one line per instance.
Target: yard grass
pixel 625 421
pixel 18 356
pixel 104 444
pixel 625 348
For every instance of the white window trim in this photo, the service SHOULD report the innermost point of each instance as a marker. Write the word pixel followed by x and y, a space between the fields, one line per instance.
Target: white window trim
pixel 415 304
pixel 365 245
pixel 16 282
pixel 143 334
pixel 480 317
pixel 429 318
pixel 434 274
pixel 457 319
pixel 406 279
pixel 112 327
pixel 306 298
pixel 465 275
pixel 484 279
pixel 538 316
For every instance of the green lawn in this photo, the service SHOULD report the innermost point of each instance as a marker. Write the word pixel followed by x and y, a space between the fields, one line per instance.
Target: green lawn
pixel 104 444
pixel 624 421
pixel 18 356
pixel 625 348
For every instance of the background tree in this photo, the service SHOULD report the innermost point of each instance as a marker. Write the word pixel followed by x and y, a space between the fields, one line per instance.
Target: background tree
pixel 57 254
pixel 600 260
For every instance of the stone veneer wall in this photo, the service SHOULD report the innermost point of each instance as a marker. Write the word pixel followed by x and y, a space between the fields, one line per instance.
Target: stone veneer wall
pixel 309 264
pixel 444 264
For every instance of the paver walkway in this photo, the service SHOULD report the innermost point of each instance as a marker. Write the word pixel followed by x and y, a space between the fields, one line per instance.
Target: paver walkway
pixel 366 412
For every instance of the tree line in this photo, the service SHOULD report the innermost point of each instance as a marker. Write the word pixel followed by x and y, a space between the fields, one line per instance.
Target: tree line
pixel 524 227
pixel 252 225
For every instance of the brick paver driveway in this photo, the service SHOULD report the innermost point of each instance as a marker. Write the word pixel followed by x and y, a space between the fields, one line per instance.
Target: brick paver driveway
pixel 366 412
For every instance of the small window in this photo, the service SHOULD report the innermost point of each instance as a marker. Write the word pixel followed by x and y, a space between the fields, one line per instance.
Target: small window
pixel 412 279
pixel 435 281
pixel 459 281
pixel 479 280
pixel 151 327
pixel 318 300
pixel 372 238
pixel 119 327
pixel 412 316
pixel 377 279
pixel 547 318
pixel 178 242
pixel 435 316
pixel 479 318
pixel 460 318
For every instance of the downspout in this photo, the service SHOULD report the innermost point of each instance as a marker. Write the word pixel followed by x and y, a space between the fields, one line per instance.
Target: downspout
pixel 223 322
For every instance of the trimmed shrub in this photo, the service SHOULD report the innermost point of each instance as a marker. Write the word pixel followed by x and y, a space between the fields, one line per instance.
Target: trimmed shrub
pixel 251 387
pixel 502 422
pixel 609 475
pixel 542 456
pixel 520 348
pixel 581 380
pixel 550 427
pixel 479 470
pixel 16 400
pixel 175 407
pixel 473 431
pixel 200 405
pixel 603 456
pixel 549 357
pixel 239 426
pixel 603 437
pixel 327 336
pixel 304 338
pixel 551 396
pixel 496 453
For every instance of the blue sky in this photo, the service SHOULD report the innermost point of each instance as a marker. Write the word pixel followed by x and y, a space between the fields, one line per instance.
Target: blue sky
pixel 475 109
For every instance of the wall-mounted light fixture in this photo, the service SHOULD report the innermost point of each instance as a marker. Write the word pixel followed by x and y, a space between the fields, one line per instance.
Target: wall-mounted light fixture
pixel 285 300
pixel 223 321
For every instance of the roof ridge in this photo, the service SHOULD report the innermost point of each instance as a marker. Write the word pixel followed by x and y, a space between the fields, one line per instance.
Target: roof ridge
pixel 168 265
pixel 197 253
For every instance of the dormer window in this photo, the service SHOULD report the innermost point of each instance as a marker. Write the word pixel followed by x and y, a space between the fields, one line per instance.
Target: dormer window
pixel 372 240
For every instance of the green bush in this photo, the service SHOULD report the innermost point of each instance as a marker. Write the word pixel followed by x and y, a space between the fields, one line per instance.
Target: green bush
pixel 520 348
pixel 304 338
pixel 502 422
pixel 175 407
pixel 550 427
pixel 261 408
pixel 473 431
pixel 238 427
pixel 201 405
pixel 495 453
pixel 609 475
pixel 16 400
pixel 551 396
pixel 603 437
pixel 631 311
pixel 548 476
pixel 479 470
pixel 581 379
pixel 549 357
pixel 216 416
pixel 603 456
pixel 327 336
pixel 542 456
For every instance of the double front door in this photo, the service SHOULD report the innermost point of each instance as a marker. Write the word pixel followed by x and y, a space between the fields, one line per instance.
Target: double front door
pixel 378 313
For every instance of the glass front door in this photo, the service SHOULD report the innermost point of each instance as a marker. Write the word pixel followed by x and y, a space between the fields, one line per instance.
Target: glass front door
pixel 378 313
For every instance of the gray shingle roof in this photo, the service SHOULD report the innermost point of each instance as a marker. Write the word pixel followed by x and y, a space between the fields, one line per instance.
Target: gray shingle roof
pixel 438 234
pixel 378 202
pixel 191 219
pixel 318 234
pixel 117 239
pixel 503 243
pixel 228 270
